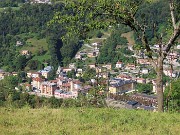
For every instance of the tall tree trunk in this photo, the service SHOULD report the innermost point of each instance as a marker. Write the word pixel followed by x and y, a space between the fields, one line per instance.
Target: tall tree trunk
pixel 159 83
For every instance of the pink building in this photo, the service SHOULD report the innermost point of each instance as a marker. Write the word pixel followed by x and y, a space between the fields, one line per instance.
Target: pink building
pixel 36 82
pixel 48 88
pixel 124 77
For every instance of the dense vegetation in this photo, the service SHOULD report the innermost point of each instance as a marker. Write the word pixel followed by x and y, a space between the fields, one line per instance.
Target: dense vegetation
pixel 115 47
pixel 172 94
pixel 27 23
pixel 154 15
pixel 146 88
pixel 30 22
pixel 87 121
pixel 10 3
pixel 19 97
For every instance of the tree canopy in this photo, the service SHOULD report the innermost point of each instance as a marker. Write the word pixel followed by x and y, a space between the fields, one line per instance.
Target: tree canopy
pixel 82 16
pixel 172 92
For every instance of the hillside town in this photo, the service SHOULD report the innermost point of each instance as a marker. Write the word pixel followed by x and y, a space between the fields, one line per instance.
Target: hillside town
pixel 123 82
pixel 90 67
pixel 111 61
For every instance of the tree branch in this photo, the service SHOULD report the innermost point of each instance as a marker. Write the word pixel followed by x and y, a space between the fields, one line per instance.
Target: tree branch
pixel 172 39
pixel 171 5
pixel 176 32
pixel 143 36
pixel 154 63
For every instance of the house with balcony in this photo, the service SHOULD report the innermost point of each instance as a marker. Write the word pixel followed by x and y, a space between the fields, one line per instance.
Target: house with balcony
pixel 36 82
pixel 48 88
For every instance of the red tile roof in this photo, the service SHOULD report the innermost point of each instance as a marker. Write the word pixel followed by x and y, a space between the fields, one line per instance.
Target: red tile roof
pixel 38 79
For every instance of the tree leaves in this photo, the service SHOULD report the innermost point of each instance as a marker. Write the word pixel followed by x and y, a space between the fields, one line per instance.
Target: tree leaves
pixel 81 16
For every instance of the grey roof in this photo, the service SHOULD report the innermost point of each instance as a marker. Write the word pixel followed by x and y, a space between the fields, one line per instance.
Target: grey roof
pixel 120 82
pixel 145 95
pixel 132 103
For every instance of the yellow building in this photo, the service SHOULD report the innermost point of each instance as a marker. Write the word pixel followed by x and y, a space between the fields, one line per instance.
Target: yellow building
pixel 122 86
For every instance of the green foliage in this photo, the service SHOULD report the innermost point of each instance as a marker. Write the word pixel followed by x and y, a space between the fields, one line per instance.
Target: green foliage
pixel 10 3
pixel 151 74
pixel 79 63
pixel 54 102
pixel 9 82
pixel 109 52
pixel 147 88
pixel 69 49
pixel 20 62
pixel 156 16
pixel 54 45
pixel 9 97
pixel 52 75
pixel 81 17
pixel 71 74
pixel 25 24
pixel 73 21
pixel 21 77
pixel 173 95
pixel 99 34
pixel 34 65
pixel 96 97
pixel 89 73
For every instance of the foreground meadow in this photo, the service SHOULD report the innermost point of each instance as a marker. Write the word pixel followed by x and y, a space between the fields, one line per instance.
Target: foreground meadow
pixel 86 121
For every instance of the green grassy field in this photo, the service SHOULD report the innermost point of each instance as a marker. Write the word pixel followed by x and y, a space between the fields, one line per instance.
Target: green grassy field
pixel 42 58
pixel 130 37
pixel 86 121
pixel 34 45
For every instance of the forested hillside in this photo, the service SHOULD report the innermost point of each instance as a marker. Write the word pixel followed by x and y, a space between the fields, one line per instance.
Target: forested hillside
pixel 154 15
pixel 29 22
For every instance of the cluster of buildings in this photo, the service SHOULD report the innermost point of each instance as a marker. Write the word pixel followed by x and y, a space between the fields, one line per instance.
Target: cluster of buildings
pixel 3 74
pixel 92 52
pixel 60 87
pixel 124 80
pixel 64 87
pixel 142 67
